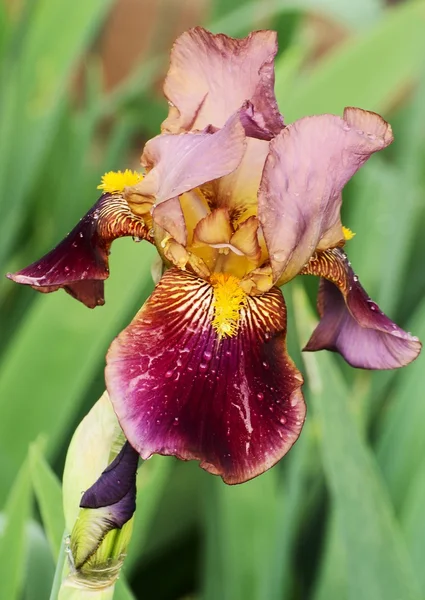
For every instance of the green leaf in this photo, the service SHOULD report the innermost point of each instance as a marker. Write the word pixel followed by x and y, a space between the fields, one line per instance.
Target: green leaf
pixel 49 498
pixel 401 440
pixel 59 345
pixel 367 71
pixel 33 94
pixel 412 519
pixel 13 538
pixel 331 583
pixel 240 522
pixel 39 569
pixel 247 15
pixel 378 564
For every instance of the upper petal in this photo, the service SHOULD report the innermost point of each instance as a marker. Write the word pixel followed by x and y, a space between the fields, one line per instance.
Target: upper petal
pixel 79 264
pixel 300 194
pixel 351 323
pixel 179 163
pixel 211 76
pixel 234 404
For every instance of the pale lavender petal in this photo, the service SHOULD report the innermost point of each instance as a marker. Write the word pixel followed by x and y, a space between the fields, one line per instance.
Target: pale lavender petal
pixel 179 163
pixel 300 194
pixel 211 76
pixel 351 323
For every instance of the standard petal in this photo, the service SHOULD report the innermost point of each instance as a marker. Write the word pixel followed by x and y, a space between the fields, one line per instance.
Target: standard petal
pixel 79 264
pixel 179 163
pixel 233 403
pixel 351 323
pixel 211 76
pixel 300 194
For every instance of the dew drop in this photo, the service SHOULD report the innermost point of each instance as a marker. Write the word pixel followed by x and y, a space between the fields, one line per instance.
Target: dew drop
pixel 203 367
pixel 136 238
pixel 228 353
pixel 260 396
pixel 266 365
pixel 283 420
pixel 74 244
pixel 207 355
pixel 278 255
pixel 81 234
pixel 176 421
pixel 169 374
pixel 66 269
pixel 355 278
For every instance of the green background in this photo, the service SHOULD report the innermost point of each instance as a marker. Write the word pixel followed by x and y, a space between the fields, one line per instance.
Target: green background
pixel 342 516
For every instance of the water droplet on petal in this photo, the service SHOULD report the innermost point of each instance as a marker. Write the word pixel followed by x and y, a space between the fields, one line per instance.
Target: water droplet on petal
pixel 207 355
pixel 266 365
pixel 260 396
pixel 203 367
pixel 168 374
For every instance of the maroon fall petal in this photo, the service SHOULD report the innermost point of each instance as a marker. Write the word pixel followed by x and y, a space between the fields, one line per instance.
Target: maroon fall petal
pixel 234 404
pixel 79 264
pixel 351 323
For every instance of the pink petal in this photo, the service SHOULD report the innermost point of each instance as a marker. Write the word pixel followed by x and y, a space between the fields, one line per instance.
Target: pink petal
pixel 179 163
pixel 211 76
pixel 79 264
pixel 351 323
pixel 235 405
pixel 300 195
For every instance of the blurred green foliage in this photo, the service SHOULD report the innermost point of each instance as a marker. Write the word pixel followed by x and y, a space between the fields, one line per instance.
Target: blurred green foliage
pixel 341 517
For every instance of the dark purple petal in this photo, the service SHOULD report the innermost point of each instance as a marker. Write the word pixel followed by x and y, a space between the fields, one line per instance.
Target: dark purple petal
pixel 79 264
pixel 234 404
pixel 351 323
pixel 308 164
pixel 211 76
pixel 115 482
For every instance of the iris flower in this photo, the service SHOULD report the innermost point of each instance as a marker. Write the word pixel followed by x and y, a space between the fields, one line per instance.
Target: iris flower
pixel 237 204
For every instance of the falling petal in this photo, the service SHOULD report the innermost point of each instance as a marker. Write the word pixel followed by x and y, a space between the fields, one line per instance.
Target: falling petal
pixel 351 323
pixel 79 264
pixel 233 403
